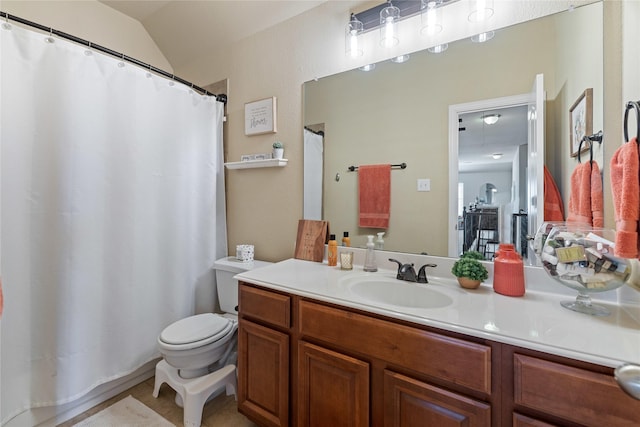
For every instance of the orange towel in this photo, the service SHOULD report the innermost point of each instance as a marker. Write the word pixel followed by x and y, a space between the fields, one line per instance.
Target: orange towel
pixel 374 186
pixel 597 205
pixel 580 196
pixel 553 207
pixel 625 186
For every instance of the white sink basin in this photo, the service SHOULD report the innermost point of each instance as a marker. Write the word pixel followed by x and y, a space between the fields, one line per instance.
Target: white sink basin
pixel 395 292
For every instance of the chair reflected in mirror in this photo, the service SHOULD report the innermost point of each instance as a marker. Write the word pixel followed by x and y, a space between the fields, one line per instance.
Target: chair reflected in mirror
pixel 481 230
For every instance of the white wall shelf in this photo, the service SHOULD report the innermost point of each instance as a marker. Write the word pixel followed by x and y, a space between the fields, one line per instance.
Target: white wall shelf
pixel 268 163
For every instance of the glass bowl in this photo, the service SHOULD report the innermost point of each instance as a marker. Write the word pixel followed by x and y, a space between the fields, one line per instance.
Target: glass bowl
pixel 537 242
pixel 581 258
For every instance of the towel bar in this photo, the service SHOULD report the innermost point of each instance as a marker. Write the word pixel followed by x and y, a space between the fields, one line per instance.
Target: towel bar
pixel 398 166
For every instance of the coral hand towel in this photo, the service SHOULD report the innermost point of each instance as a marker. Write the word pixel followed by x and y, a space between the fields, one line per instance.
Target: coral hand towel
pixel 553 207
pixel 580 196
pixel 625 186
pixel 374 187
pixel 597 205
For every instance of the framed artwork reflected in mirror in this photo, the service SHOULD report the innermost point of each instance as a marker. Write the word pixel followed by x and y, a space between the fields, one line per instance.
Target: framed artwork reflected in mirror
pixel 581 122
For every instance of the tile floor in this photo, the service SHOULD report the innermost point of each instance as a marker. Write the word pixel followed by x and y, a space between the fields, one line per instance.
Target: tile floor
pixel 219 412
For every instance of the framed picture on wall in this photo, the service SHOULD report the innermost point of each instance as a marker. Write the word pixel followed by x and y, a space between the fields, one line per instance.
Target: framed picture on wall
pixel 581 122
pixel 260 116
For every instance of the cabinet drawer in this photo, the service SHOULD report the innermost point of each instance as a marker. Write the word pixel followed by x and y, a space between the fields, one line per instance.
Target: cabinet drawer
pixel 453 360
pixel 270 307
pixel 408 402
pixel 522 421
pixel 574 394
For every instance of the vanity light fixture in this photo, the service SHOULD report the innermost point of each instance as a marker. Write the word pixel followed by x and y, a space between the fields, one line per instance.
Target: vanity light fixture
pixel 431 17
pixel 496 156
pixel 367 67
pixel 386 17
pixel 481 10
pixel 439 48
pixel 491 119
pixel 352 36
pixel 483 37
pixel 389 17
pixel 400 59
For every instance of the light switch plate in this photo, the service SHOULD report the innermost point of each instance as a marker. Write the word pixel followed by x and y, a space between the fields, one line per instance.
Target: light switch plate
pixel 424 184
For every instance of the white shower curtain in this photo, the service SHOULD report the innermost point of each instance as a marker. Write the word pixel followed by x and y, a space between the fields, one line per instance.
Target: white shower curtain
pixel 112 213
pixel 313 175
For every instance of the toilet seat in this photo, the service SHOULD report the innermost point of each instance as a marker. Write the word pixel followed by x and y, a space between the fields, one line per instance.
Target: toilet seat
pixel 195 331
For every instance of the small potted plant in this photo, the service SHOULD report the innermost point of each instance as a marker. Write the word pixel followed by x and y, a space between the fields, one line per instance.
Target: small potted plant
pixel 469 270
pixel 278 150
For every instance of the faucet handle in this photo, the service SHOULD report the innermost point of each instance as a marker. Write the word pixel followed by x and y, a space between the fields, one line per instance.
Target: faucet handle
pixel 422 274
pixel 399 275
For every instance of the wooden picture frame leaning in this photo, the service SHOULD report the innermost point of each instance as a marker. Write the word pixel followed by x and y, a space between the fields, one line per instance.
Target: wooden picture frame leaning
pixel 581 122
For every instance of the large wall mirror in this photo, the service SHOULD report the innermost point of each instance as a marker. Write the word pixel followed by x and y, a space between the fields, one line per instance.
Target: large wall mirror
pixel 399 113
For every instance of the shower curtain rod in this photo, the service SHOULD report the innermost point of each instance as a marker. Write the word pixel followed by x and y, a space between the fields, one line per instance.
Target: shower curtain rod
pixel 317 132
pixel 222 97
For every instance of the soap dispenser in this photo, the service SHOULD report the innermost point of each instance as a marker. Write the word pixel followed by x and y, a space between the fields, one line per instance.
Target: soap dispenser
pixel 370 258
pixel 380 241
pixel 332 251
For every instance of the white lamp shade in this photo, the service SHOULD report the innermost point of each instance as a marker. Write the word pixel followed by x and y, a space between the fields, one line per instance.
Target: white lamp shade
pixel 480 10
pixel 389 17
pixel 352 38
pixel 431 18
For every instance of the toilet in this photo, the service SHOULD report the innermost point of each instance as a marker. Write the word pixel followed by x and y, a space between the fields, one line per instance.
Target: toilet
pixel 199 352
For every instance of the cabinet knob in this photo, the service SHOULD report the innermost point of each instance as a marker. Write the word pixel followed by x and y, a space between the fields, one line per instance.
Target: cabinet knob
pixel 236 309
pixel 628 378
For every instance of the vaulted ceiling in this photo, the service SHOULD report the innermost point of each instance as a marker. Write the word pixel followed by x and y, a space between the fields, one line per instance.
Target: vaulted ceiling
pixel 184 30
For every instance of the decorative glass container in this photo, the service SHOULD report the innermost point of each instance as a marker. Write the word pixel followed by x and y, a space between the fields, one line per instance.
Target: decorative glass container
pixel 582 258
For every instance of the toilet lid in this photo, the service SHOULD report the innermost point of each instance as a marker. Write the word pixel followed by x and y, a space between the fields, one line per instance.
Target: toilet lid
pixel 194 328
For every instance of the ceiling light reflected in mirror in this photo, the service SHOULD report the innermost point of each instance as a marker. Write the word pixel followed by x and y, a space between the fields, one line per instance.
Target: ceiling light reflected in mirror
pixel 439 48
pixel 400 59
pixel 483 37
pixel 491 119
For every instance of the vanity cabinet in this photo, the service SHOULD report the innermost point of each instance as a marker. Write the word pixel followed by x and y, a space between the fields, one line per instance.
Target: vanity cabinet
pixel 348 368
pixel 308 363
pixel 263 356
pixel 548 390
pixel 414 372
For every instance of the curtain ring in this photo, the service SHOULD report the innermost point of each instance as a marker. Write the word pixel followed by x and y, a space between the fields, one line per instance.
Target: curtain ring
pixel 6 24
pixel 50 38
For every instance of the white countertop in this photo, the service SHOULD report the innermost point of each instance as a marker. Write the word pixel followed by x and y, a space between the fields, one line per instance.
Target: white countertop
pixel 536 321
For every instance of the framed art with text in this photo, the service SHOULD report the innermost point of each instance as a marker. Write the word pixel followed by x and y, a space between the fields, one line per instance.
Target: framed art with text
pixel 260 116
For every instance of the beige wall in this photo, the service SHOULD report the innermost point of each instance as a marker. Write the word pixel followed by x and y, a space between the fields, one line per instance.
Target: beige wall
pixel 264 205
pixel 577 68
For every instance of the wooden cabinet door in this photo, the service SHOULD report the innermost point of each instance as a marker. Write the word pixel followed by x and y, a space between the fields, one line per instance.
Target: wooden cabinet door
pixel 412 403
pixel 333 389
pixel 263 374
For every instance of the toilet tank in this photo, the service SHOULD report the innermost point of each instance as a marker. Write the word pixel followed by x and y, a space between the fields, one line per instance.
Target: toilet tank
pixel 227 286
